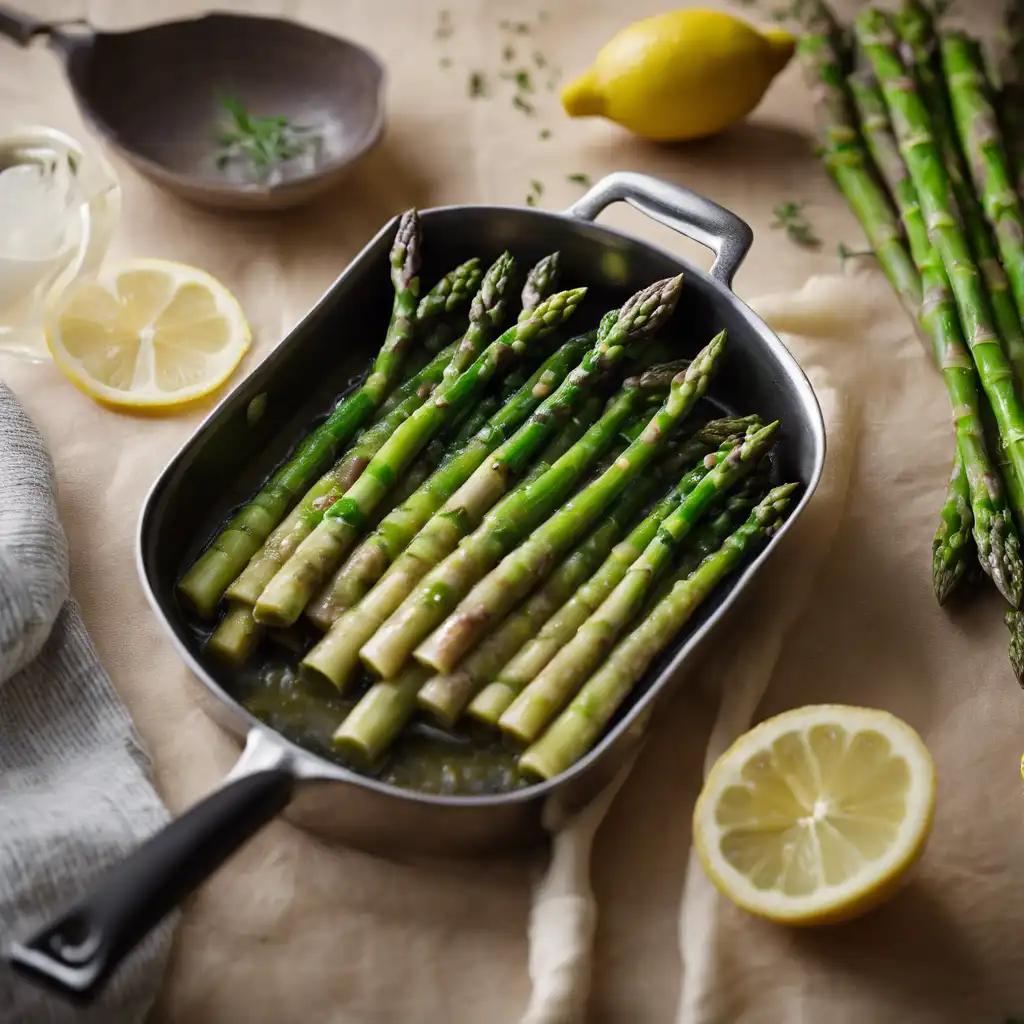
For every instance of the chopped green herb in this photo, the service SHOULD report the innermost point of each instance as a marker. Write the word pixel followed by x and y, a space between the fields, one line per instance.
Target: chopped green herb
pixel 521 104
pixel 579 179
pixel 73 164
pixel 445 62
pixel 262 142
pixel 537 186
pixel 531 199
pixel 519 28
pixel 508 54
pixel 539 59
pixel 846 253
pixel 790 217
pixel 444 25
pixel 545 133
pixel 477 84
pixel 522 80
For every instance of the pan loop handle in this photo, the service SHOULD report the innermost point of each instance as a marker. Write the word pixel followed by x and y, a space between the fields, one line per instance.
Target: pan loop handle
pixel 76 953
pixel 726 235
pixel 23 28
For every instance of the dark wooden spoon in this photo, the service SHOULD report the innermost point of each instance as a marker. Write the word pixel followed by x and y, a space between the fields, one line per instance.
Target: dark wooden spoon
pixel 155 95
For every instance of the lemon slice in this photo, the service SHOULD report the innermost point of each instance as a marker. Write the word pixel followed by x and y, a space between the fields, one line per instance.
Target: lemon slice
pixel 148 334
pixel 815 815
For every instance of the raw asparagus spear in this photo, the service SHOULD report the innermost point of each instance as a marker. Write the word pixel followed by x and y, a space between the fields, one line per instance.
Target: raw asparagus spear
pixel 847 162
pixel 979 134
pixel 204 584
pixel 576 730
pixel 441 590
pixel 916 28
pixel 370 560
pixel 291 589
pixel 445 696
pixel 997 545
pixel 530 713
pixel 1015 623
pixel 953 535
pixel 910 120
pixel 336 657
pixel 540 282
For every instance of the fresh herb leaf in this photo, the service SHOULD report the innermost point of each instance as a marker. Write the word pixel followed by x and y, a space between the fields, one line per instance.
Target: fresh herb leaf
pixel 544 133
pixel 508 54
pixel 846 253
pixel 262 142
pixel 521 104
pixel 579 179
pixel 477 84
pixel 789 216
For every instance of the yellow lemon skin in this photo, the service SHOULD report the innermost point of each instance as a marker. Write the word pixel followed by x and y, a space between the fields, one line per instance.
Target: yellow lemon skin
pixel 681 75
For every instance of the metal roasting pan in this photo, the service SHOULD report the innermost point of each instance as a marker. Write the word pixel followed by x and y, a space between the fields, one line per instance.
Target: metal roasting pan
pixel 300 379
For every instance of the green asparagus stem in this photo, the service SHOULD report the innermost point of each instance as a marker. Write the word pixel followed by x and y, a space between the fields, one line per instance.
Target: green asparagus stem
pixel 848 163
pixel 371 559
pixel 576 730
pixel 452 292
pixel 917 30
pixel 978 129
pixel 1015 623
pixel 291 589
pixel 540 282
pixel 442 589
pixel 381 714
pixel 204 584
pixel 1011 97
pixel 336 657
pixel 910 120
pixel 953 535
pixel 235 638
pixel 998 549
pixel 497 592
pixel 446 695
pixel 530 713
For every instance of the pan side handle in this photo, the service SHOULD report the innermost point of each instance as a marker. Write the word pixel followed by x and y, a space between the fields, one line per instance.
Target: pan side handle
pixel 20 27
pixel 729 237
pixel 76 954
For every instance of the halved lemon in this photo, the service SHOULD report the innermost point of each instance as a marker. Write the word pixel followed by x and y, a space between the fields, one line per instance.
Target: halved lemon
pixel 148 334
pixel 814 816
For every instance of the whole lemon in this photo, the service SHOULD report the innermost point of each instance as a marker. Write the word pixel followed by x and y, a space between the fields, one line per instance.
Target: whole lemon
pixel 680 75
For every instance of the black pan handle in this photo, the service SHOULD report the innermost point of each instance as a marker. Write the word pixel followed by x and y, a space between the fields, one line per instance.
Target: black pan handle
pixel 76 954
pixel 729 237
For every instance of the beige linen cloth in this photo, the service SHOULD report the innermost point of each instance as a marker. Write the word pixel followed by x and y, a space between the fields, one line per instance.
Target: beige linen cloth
pixel 294 930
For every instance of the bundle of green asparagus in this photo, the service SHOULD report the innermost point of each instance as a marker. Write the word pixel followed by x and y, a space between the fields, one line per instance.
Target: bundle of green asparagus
pixel 496 531
pixel 910 130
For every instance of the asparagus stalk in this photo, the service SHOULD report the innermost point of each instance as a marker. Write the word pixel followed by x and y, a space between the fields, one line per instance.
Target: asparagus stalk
pixel 291 589
pixel 576 730
pixel 1015 623
pixel 540 282
pixel 1011 97
pixel 446 695
pixel 534 708
pixel 953 536
pixel 916 28
pixel 336 657
pixel 997 545
pixel 497 592
pixel 619 334
pixel 848 163
pixel 371 559
pixel 978 129
pixel 440 591
pixel 204 583
pixel 910 120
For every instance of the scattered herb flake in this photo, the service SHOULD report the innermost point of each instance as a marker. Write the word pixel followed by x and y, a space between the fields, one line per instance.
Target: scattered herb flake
pixel 579 179
pixel 508 54
pixel 445 62
pixel 73 164
pixel 545 133
pixel 521 104
pixel 539 59
pixel 846 253
pixel 444 25
pixel 790 217
pixel 477 85
pixel 522 80
pixel 531 199
pixel 537 186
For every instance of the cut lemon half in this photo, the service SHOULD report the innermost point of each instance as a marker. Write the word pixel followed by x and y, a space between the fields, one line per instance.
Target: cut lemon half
pixel 148 334
pixel 815 815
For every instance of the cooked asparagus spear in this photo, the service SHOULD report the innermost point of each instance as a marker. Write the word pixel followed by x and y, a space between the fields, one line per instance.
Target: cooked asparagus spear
pixel 953 536
pixel 204 584
pixel 847 162
pixel 979 134
pixel 445 696
pixel 370 560
pixel 540 282
pixel 441 590
pixel 619 334
pixel 496 593
pixel 997 545
pixel 291 589
pixel 1015 623
pixel 916 28
pixel 910 120
pixel 576 730
pixel 530 713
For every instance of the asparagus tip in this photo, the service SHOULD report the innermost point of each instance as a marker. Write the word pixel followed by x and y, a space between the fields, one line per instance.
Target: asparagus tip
pixel 405 252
